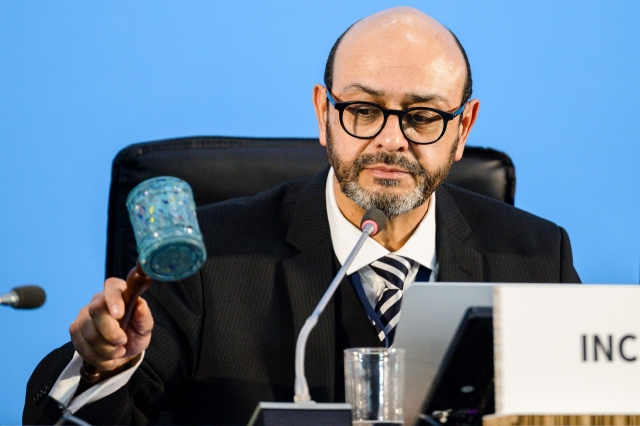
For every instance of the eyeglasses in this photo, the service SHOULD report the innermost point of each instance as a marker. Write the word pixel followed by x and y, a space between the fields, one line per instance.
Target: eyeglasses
pixel 420 125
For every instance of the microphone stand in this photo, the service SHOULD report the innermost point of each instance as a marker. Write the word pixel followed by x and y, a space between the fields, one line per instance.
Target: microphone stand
pixel 301 387
pixel 304 410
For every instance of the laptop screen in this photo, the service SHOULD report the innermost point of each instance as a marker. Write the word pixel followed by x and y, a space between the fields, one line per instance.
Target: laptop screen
pixel 430 317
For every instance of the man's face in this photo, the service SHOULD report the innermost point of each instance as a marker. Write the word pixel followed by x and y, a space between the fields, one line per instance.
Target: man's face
pixel 397 62
pixel 392 204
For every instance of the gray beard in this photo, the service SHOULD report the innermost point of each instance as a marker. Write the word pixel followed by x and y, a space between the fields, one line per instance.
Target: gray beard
pixel 392 205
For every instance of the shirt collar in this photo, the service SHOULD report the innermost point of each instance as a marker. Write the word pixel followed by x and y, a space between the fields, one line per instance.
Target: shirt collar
pixel 421 246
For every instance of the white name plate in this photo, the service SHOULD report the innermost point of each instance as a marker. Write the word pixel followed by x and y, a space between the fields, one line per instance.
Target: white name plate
pixel 567 349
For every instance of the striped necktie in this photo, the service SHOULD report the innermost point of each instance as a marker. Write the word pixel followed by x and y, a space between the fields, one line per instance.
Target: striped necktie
pixel 393 270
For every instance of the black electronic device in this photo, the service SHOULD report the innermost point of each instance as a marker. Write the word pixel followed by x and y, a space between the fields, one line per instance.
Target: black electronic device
pixel 301 413
pixel 463 389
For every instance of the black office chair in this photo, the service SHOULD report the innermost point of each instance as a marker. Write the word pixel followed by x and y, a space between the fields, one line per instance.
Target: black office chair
pixel 219 168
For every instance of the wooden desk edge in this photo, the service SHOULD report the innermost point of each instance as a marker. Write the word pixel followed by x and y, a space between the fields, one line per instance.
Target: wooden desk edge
pixel 561 420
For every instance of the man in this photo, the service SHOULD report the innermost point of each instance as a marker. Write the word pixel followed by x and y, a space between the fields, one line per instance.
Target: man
pixel 394 115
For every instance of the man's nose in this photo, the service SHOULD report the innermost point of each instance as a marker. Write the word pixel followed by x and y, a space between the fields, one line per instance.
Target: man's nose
pixel 391 137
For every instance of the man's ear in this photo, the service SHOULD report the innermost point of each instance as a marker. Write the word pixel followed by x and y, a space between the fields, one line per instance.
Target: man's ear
pixel 319 99
pixel 467 120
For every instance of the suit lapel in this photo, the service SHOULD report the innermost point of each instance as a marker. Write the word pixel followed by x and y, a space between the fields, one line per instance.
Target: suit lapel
pixel 308 275
pixel 458 259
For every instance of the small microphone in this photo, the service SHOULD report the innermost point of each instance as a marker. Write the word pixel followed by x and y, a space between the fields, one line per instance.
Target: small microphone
pixel 24 297
pixel 375 218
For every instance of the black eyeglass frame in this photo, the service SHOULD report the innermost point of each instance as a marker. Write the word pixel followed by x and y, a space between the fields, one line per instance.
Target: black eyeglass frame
pixel 446 117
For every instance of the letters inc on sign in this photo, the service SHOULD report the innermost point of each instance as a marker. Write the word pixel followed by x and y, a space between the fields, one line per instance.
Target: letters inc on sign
pixel 609 348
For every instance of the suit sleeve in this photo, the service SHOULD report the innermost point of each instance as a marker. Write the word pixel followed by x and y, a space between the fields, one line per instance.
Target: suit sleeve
pixel 170 360
pixel 568 273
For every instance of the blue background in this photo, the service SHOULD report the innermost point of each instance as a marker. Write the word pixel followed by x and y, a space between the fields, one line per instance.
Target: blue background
pixel 80 80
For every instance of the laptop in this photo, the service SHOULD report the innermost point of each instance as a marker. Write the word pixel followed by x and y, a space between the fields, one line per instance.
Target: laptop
pixel 435 323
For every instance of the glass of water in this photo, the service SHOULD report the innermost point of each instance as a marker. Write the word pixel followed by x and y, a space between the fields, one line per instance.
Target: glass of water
pixel 374 385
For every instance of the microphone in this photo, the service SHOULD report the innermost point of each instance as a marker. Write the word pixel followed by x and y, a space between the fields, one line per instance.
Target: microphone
pixel 24 297
pixel 372 223
pixel 375 218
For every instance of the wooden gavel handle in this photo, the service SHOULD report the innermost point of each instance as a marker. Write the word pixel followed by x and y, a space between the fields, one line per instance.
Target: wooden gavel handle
pixel 137 283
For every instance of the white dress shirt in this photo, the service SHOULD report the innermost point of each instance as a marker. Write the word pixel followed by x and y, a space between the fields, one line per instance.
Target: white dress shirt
pixel 420 248
pixel 67 383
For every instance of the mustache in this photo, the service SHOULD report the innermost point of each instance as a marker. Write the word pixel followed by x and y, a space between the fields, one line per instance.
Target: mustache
pixel 389 159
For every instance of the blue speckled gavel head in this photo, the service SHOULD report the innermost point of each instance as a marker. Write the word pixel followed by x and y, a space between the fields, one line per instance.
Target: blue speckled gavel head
pixel 163 215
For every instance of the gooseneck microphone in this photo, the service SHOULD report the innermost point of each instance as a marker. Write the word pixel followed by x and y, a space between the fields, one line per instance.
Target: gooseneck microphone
pixel 24 297
pixel 372 222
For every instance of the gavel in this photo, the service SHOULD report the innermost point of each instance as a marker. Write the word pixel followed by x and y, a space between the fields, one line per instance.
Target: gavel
pixel 168 239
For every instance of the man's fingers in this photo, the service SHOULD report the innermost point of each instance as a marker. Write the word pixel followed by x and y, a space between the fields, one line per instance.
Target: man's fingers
pixel 96 333
pixel 99 344
pixel 105 356
pixel 113 289
pixel 105 324
pixel 142 320
pixel 140 328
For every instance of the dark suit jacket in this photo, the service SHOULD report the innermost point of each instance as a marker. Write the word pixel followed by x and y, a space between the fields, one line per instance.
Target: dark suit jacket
pixel 225 339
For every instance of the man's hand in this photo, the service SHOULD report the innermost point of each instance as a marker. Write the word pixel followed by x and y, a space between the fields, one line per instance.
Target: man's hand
pixel 96 333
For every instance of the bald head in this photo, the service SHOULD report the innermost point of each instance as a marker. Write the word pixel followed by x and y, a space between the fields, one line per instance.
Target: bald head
pixel 397 31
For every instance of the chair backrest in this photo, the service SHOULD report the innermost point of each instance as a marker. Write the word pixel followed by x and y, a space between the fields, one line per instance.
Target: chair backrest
pixel 219 168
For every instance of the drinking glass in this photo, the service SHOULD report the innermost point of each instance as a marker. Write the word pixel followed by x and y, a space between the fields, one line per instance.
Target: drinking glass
pixel 374 385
